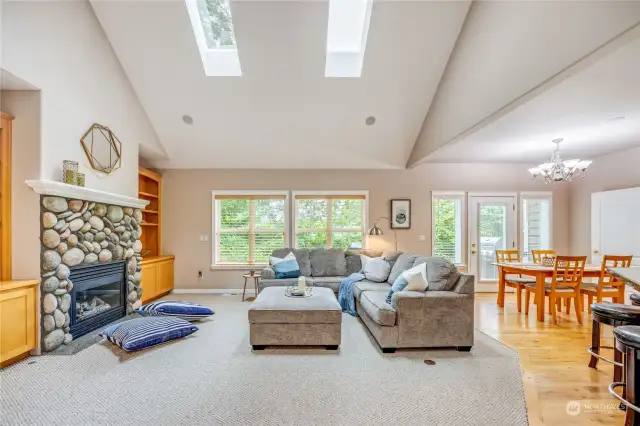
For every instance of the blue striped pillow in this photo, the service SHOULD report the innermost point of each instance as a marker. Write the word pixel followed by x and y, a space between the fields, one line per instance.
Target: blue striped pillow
pixel 172 308
pixel 142 333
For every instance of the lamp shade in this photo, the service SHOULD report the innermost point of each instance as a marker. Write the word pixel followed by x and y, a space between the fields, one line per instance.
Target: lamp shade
pixel 375 231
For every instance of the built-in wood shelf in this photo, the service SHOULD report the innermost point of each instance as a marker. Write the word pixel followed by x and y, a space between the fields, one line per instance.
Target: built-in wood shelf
pixel 150 188
pixel 146 194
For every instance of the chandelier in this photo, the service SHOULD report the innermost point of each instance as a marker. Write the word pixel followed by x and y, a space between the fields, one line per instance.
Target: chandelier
pixel 557 170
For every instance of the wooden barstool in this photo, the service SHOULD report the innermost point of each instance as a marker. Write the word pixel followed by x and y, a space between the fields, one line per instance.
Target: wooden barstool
pixel 615 315
pixel 628 342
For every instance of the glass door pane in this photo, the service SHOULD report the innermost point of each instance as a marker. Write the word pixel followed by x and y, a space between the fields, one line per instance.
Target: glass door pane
pixel 492 225
pixel 491 228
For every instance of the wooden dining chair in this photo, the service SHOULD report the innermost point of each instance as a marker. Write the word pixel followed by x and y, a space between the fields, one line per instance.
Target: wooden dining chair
pixel 537 255
pixel 514 281
pixel 564 284
pixel 607 285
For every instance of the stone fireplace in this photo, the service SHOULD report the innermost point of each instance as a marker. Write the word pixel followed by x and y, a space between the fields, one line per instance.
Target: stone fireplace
pixel 90 255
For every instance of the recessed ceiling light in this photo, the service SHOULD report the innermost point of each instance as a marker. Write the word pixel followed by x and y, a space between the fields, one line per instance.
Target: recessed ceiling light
pixel 187 119
pixel 370 121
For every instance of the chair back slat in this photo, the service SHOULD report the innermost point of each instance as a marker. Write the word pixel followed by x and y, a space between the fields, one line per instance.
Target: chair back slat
pixel 537 255
pixel 507 256
pixel 611 261
pixel 568 271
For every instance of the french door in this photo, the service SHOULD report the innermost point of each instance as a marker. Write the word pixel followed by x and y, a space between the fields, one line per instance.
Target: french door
pixel 492 226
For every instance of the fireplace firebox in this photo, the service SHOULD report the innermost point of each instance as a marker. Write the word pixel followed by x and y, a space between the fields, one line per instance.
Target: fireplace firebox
pixel 98 296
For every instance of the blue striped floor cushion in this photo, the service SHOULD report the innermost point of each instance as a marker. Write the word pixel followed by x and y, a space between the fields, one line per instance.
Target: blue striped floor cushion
pixel 141 333
pixel 175 308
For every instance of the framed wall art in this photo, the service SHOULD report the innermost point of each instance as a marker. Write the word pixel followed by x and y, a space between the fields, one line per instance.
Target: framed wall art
pixel 400 214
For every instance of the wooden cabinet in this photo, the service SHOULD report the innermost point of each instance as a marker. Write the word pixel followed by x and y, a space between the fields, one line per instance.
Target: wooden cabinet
pixel 18 319
pixel 157 277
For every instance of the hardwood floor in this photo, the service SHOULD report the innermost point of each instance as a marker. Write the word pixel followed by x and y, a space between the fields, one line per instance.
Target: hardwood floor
pixel 554 362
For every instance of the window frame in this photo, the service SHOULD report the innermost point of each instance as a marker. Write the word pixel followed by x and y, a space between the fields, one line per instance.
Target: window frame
pixel 215 224
pixel 464 217
pixel 329 230
pixel 532 195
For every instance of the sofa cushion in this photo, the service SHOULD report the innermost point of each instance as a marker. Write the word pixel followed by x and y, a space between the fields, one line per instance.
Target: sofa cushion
pixel 442 275
pixel 375 305
pixel 265 283
pixel 329 282
pixel 353 262
pixel 328 262
pixel 367 285
pixel 302 256
pixel 391 257
pixel 405 261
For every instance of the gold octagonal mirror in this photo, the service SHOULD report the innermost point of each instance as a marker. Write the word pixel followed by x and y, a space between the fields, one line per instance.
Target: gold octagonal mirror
pixel 103 148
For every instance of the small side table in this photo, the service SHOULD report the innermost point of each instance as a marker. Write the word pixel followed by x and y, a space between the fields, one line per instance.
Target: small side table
pixel 256 284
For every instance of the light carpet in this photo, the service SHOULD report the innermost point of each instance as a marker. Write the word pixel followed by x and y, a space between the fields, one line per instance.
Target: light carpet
pixel 213 378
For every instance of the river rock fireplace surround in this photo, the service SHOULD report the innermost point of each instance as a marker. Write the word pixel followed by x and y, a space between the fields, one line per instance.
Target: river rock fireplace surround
pixel 90 259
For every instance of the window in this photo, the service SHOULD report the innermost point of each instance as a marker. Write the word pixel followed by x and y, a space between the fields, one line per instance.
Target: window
pixel 212 24
pixel 535 209
pixel 447 229
pixel 248 227
pixel 330 220
pixel 347 31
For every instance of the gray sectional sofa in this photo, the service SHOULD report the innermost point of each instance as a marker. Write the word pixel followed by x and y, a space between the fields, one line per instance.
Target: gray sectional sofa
pixel 440 317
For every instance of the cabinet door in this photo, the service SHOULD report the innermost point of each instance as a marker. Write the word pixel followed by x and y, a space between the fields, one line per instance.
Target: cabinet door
pixel 149 282
pixel 165 278
pixel 17 322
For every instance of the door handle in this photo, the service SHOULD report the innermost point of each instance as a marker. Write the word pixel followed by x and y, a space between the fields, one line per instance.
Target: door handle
pixel 595 252
pixel 473 252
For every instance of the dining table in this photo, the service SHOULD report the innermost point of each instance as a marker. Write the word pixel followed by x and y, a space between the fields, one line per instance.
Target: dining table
pixel 540 273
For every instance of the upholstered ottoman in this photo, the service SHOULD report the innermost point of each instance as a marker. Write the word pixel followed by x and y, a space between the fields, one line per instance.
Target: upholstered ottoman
pixel 275 319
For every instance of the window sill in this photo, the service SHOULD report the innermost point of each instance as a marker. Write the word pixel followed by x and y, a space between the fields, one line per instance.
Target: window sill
pixel 238 267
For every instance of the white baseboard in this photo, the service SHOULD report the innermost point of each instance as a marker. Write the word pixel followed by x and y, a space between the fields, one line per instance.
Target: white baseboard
pixel 212 291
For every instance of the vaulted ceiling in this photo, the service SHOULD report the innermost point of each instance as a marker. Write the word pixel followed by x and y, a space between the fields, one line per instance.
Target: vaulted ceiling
pixel 446 81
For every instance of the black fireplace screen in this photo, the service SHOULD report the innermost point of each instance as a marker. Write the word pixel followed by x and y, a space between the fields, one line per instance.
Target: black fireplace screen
pixel 98 296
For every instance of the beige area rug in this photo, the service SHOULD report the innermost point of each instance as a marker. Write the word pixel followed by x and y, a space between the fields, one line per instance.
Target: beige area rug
pixel 213 378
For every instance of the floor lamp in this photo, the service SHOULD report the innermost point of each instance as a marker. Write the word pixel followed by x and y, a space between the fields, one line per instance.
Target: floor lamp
pixel 377 231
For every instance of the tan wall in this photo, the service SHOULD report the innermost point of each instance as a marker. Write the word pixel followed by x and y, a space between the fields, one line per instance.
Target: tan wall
pixel 25 214
pixel 187 205
pixel 614 171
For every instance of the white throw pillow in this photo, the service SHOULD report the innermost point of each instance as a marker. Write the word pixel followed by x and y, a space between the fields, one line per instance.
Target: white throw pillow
pixel 375 269
pixel 276 260
pixel 416 282
pixel 422 268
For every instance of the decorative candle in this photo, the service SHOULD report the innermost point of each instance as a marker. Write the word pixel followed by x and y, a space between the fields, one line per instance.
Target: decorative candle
pixel 301 283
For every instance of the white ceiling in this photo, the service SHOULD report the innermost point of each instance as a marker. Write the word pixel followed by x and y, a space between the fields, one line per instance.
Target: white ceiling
pixel 9 81
pixel 584 110
pixel 283 112
pixel 499 99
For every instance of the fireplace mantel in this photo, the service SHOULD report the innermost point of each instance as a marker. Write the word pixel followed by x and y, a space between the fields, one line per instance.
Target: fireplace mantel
pixel 49 187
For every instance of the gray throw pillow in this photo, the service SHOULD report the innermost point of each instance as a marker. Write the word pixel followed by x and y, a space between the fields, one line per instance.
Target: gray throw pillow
pixel 405 261
pixel 442 275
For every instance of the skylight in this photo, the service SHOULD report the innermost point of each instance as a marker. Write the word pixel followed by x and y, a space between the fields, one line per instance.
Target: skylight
pixel 213 28
pixel 347 33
